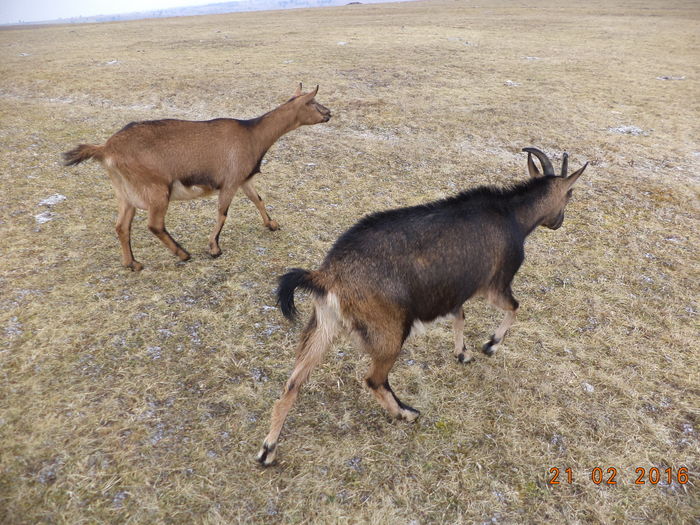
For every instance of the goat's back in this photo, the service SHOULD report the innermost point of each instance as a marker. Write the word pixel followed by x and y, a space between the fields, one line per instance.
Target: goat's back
pixel 427 259
pixel 167 134
pixel 180 148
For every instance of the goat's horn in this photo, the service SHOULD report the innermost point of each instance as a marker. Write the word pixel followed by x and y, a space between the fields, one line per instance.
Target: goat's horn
pixel 531 168
pixel 546 164
pixel 564 164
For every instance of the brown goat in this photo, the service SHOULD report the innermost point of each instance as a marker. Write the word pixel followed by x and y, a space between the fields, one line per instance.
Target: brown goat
pixel 396 269
pixel 153 162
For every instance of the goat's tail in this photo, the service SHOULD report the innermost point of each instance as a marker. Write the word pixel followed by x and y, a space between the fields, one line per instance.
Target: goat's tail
pixel 81 153
pixel 290 281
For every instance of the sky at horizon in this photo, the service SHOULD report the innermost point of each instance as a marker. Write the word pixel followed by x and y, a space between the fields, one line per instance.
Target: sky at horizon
pixel 13 11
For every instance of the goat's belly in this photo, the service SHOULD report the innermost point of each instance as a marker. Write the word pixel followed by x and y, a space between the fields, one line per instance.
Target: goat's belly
pixel 419 327
pixel 180 192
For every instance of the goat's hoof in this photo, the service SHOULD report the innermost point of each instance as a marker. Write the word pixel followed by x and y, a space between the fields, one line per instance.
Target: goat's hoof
pixel 407 413
pixel 410 414
pixel 183 256
pixel 266 456
pixel 489 347
pixel 135 266
pixel 465 359
pixel 273 226
pixel 214 255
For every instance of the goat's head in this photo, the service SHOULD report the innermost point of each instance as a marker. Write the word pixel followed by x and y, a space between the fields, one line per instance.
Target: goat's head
pixel 308 110
pixel 559 189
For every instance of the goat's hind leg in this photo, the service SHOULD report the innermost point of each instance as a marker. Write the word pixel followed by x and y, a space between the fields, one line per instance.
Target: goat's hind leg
pixel 505 301
pixel 158 206
pixel 315 340
pixel 384 354
pixel 123 228
pixel 461 352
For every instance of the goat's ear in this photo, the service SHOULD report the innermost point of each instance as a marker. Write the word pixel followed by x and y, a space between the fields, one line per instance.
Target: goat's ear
pixel 297 92
pixel 531 168
pixel 575 175
pixel 310 96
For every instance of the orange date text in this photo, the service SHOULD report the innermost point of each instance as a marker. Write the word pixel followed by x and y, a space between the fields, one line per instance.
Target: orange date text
pixel 611 475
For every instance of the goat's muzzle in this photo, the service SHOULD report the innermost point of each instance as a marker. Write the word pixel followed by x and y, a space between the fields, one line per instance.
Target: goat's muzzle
pixel 557 223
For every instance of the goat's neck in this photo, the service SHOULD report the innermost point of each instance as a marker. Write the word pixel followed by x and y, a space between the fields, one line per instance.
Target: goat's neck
pixel 272 126
pixel 530 210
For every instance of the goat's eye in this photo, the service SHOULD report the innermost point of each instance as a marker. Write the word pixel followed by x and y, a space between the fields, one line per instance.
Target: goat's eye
pixel 569 194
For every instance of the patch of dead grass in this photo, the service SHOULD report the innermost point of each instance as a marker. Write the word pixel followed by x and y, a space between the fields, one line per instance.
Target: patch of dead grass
pixel 143 398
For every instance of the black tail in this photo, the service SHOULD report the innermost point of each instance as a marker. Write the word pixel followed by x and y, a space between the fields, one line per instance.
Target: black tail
pixel 82 153
pixel 290 281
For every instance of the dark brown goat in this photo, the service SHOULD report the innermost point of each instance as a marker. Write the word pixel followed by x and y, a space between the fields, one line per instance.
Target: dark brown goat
pixel 396 269
pixel 151 163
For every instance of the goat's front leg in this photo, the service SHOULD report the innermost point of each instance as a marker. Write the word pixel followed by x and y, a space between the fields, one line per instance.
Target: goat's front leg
pixel 225 198
pixel 461 352
pixel 254 197
pixel 505 301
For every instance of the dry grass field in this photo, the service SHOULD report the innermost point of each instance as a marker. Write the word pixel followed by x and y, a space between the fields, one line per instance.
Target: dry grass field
pixel 144 397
